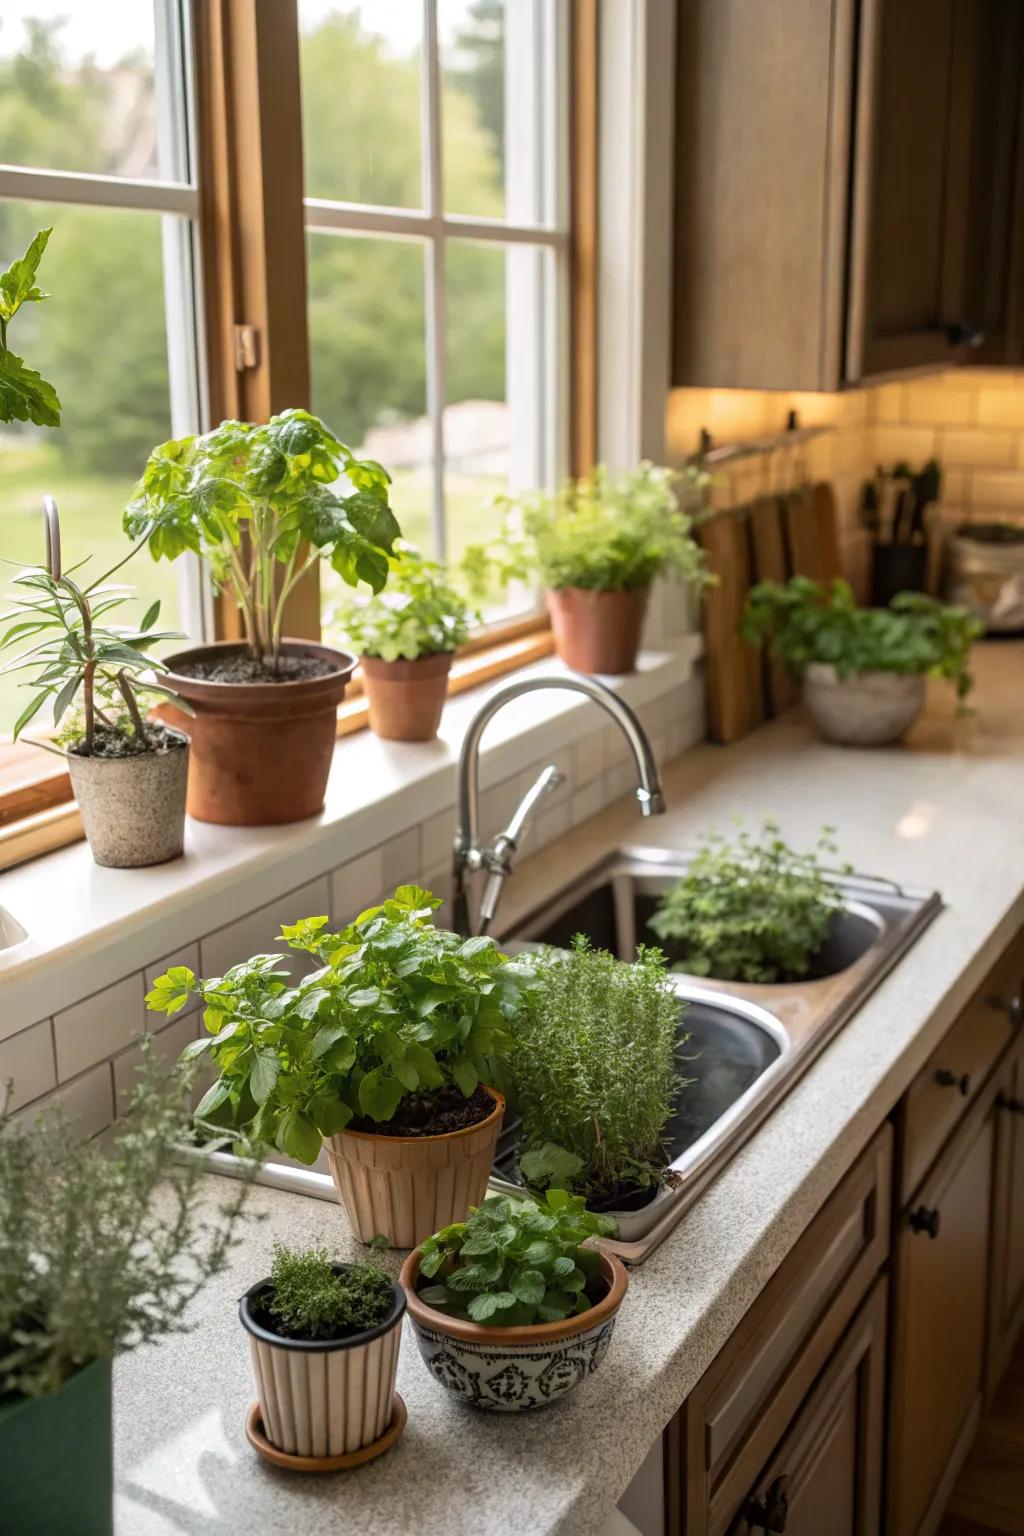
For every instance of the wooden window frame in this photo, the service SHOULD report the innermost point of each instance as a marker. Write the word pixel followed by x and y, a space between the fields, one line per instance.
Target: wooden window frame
pixel 252 227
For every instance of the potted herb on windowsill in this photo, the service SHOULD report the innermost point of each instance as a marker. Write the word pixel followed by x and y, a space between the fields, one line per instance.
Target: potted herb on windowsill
pixel 258 505
pixel 406 637
pixel 324 1340
pixel 128 773
pixel 24 395
pixel 510 1309
pixel 598 543
pixel 387 1050
pixel 101 1250
pixel 863 669
pixel 594 1074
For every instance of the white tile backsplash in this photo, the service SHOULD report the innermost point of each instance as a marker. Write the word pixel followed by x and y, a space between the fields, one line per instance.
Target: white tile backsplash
pixel 88 1101
pixel 255 934
pixel 354 886
pixel 99 1026
pixel 27 1060
pixel 168 1044
pixel 402 860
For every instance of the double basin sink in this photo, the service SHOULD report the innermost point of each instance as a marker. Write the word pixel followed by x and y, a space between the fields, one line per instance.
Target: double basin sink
pixel 743 1045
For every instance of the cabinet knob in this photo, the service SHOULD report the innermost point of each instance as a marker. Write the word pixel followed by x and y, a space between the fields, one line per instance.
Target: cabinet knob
pixel 1011 1105
pixel 771 1512
pixel 1013 1007
pixel 947 1079
pixel 965 335
pixel 925 1220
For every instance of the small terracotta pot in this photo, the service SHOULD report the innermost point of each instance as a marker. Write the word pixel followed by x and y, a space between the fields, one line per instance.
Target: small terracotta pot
pixel 261 752
pixel 597 631
pixel 133 808
pixel 406 698
pixel 867 709
pixel 508 1370
pixel 406 1187
pixel 324 1397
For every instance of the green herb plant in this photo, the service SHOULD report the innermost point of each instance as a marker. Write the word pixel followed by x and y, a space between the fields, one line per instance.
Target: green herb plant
pixel 608 532
pixel 311 1298
pixel 594 1071
pixel 804 623
pixel 752 909
pixel 103 1248
pixel 24 394
pixel 420 613
pixel 395 1006
pixel 516 1262
pixel 259 505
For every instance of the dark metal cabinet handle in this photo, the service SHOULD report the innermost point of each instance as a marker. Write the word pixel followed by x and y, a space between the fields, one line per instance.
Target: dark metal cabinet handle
pixel 1011 1105
pixel 925 1220
pixel 1013 1007
pixel 771 1512
pixel 965 335
pixel 947 1079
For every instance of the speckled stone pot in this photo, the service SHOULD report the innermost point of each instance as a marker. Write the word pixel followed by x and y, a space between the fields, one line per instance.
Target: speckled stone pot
pixel 507 1370
pixel 133 808
pixel 867 709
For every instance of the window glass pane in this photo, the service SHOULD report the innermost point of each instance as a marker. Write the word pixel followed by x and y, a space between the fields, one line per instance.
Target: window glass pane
pixel 471 36
pixel 78 91
pixel 101 341
pixel 361 100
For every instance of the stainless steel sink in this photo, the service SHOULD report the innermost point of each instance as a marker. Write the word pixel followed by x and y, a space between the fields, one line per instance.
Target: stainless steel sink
pixel 748 1044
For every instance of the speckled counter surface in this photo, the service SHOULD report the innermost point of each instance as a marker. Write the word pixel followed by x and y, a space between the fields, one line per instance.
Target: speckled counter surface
pixel 947 811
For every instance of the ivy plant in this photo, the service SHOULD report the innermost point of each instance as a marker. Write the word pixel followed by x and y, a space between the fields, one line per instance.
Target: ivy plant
pixel 516 1262
pixel 752 909
pixel 607 532
pixel 24 394
pixel 804 623
pixel 276 485
pixel 395 1006
pixel 310 1297
pixel 420 613
pixel 594 1071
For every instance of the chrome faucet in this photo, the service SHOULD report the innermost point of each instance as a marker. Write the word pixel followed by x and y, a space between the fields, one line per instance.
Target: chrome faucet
pixel 496 858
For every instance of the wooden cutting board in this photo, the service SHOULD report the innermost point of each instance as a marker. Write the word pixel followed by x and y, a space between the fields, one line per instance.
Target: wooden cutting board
pixel 812 535
pixel 768 547
pixel 735 690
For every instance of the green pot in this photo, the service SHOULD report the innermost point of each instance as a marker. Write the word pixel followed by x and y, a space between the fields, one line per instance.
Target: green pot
pixel 56 1459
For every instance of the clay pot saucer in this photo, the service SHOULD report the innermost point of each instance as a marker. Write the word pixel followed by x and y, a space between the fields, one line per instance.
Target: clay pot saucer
pixel 256 1437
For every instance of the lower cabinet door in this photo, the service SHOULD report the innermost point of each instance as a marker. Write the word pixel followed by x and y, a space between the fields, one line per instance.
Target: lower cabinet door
pixel 1006 1307
pixel 825 1478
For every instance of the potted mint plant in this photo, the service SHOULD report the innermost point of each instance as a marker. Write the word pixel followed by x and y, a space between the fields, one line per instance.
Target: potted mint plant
pixel 388 1051
pixel 406 638
pixel 597 544
pixel 258 504
pixel 514 1307
pixel 324 1339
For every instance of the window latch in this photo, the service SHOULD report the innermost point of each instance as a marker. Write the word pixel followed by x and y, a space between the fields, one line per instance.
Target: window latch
pixel 247 347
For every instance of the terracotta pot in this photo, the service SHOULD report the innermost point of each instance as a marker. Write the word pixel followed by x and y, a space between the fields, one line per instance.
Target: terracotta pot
pixel 406 698
pixel 406 1187
pixel 597 631
pixel 508 1370
pixel 867 709
pixel 133 808
pixel 261 752
pixel 324 1397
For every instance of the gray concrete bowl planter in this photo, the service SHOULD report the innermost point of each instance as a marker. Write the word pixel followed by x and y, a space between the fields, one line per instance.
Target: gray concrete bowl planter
pixel 133 807
pixel 866 709
pixel 508 1370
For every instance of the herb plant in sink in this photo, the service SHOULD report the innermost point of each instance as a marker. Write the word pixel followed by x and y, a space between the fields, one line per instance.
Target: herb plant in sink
pixel 513 1307
pixel 388 1049
pixel 328 1335
pixel 595 1072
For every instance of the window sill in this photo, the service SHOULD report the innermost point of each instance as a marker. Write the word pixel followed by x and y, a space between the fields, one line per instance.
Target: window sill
pixel 89 926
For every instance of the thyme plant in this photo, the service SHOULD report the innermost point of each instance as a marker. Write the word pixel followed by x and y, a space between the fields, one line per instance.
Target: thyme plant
pixel 594 1072
pixel 24 394
pixel 310 1298
pixel 752 910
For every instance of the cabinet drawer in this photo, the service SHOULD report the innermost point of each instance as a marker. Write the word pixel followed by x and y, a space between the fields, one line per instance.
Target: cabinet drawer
pixel 956 1071
pixel 726 1430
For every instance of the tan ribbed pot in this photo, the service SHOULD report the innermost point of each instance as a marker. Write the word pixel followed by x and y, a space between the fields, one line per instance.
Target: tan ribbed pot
pixel 406 698
pixel 406 1187
pixel 323 1397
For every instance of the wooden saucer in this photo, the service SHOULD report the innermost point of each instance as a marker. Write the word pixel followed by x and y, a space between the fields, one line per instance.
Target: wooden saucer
pixel 257 1438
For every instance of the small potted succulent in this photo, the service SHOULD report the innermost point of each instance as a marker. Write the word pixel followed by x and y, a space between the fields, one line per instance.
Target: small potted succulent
pixel 406 637
pixel 598 543
pixel 752 910
pixel 258 505
pixel 91 1267
pixel 128 773
pixel 513 1308
pixel 594 1071
pixel 863 669
pixel 388 1050
pixel 324 1339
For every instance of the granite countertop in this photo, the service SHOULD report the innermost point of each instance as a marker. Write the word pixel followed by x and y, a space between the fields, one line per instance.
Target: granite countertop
pixel 946 812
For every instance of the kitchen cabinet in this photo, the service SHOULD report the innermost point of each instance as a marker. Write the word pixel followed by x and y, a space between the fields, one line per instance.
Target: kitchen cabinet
pixel 847 189
pixel 1006 1293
